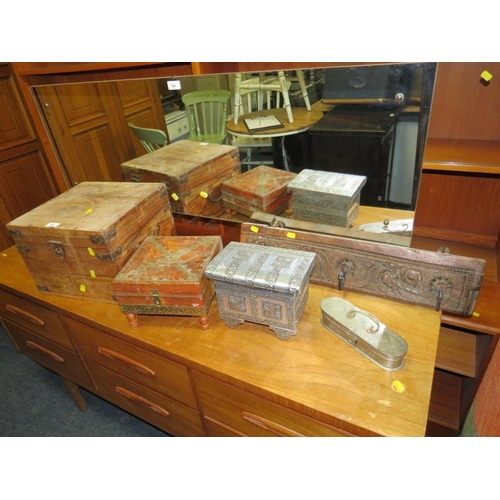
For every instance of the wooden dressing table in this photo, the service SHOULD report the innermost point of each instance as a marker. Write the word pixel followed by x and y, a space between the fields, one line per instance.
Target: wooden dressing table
pixel 223 381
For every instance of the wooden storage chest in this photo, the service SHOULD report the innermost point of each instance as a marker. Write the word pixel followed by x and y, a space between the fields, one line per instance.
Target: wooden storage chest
pixel 264 285
pixel 75 244
pixel 192 172
pixel 166 276
pixel 261 189
pixel 326 197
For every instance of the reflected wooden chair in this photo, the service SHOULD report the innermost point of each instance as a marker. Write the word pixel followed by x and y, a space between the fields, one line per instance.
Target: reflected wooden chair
pixel 264 85
pixel 207 112
pixel 150 138
pixel 256 94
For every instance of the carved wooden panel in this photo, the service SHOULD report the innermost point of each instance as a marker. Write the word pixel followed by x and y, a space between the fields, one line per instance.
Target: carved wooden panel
pixel 439 280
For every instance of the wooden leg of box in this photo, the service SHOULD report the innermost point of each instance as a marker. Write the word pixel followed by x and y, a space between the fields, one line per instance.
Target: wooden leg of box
pixel 132 319
pixel 205 325
pixel 75 393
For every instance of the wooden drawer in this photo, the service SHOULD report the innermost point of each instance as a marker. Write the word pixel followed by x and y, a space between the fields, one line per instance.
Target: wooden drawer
pixel 52 356
pixel 155 372
pixel 230 411
pixel 36 318
pixel 152 407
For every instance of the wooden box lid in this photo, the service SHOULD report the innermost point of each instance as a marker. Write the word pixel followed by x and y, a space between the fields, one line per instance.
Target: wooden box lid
pixel 171 265
pixel 185 164
pixel 92 214
pixel 262 185
pixel 256 266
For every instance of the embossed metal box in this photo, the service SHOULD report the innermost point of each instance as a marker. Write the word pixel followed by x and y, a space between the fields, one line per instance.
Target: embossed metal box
pixel 75 244
pixel 264 285
pixel 326 197
pixel 192 171
pixel 165 276
pixel 263 189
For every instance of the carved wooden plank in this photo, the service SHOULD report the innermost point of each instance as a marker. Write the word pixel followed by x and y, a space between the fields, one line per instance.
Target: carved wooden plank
pixel 433 279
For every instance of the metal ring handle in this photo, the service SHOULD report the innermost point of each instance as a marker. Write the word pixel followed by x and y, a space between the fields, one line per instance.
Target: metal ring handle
pixel 373 329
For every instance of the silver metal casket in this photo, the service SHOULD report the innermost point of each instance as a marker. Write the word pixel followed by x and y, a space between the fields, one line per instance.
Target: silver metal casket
pixel 261 284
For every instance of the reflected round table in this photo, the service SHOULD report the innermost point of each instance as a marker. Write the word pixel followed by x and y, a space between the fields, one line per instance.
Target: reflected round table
pixel 302 120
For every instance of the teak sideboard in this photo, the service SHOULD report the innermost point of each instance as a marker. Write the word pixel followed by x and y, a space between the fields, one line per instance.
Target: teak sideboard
pixel 226 381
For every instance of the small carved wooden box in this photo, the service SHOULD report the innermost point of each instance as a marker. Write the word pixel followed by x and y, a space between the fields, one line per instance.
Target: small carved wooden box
pixel 326 197
pixel 261 189
pixel 166 276
pixel 264 285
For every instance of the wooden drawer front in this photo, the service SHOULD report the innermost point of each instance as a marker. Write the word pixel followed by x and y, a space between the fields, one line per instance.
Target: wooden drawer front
pixel 36 318
pixel 152 407
pixel 232 411
pixel 160 374
pixel 52 356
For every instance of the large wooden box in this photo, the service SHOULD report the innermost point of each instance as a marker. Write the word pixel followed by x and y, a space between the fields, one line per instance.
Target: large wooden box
pixel 264 285
pixel 166 276
pixel 326 197
pixel 263 189
pixel 192 171
pixel 75 244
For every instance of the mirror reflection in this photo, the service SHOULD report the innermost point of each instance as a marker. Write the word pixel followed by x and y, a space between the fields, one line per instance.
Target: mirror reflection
pixel 368 120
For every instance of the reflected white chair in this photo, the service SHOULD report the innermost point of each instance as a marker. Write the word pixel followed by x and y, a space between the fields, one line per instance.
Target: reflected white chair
pixel 251 95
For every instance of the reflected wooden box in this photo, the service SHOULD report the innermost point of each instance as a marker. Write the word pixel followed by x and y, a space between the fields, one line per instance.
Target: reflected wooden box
pixel 192 172
pixel 264 285
pixel 326 197
pixel 166 276
pixel 263 189
pixel 76 243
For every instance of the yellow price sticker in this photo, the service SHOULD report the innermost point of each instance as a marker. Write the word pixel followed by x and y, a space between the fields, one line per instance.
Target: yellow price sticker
pixel 174 197
pixel 398 386
pixel 83 289
pixel 88 211
pixel 91 252
pixel 203 194
pixel 254 229
pixel 486 75
pixel 290 235
pixel 92 274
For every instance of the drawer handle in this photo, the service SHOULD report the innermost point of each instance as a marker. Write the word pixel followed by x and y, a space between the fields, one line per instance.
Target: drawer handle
pixel 139 399
pixel 37 347
pixel 24 314
pixel 118 357
pixel 269 425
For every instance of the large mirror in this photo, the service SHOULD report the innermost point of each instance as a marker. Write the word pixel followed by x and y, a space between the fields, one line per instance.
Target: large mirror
pixel 369 120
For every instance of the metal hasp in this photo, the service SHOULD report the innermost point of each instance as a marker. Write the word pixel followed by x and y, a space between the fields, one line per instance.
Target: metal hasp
pixel 364 333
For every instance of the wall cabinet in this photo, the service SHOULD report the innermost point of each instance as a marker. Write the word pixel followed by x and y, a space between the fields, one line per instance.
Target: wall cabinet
pixel 25 181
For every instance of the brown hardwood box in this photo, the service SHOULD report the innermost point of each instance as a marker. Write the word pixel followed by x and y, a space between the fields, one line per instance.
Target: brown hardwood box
pixel 326 197
pixel 264 285
pixel 261 189
pixel 192 171
pixel 166 276
pixel 75 244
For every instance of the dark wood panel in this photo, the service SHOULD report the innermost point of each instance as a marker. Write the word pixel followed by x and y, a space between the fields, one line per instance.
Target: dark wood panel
pixel 459 207
pixel 15 128
pixel 464 106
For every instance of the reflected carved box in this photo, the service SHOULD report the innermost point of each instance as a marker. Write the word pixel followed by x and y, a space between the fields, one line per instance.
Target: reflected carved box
pixel 268 286
pixel 263 189
pixel 326 197
pixel 76 243
pixel 192 172
pixel 166 276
